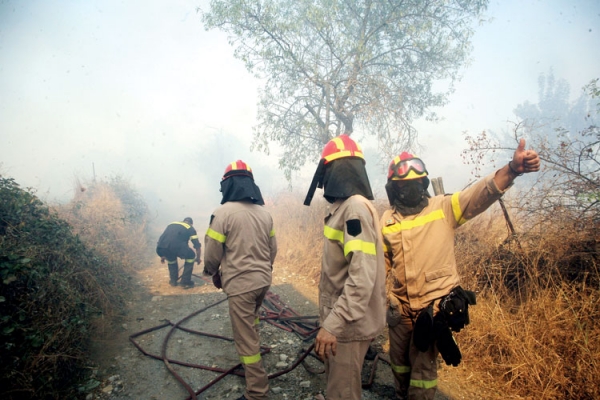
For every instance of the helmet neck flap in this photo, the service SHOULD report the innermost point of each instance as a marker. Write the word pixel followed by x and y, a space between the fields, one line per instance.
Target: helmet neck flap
pixel 346 177
pixel 238 184
pixel 341 171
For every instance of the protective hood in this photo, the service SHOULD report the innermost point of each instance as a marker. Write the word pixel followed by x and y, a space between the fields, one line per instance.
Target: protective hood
pixel 317 182
pixel 241 187
pixel 346 177
pixel 341 171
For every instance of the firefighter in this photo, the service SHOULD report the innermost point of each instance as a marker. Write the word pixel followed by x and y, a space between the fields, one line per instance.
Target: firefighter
pixel 240 248
pixel 173 244
pixel 352 285
pixel 425 299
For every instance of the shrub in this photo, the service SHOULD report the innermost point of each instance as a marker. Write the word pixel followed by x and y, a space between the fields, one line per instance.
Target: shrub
pixel 53 286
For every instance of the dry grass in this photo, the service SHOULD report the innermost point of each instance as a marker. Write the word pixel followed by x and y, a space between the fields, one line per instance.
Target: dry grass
pixel 103 219
pixel 545 348
pixel 299 232
pixel 536 325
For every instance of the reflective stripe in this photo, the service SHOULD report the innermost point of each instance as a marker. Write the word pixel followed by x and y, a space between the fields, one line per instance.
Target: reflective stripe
pixel 257 321
pixel 359 245
pixel 400 369
pixel 172 262
pixel 272 233
pixel 456 209
pixel 423 384
pixel 342 151
pixel 181 223
pixel 386 248
pixel 391 228
pixel 419 221
pixel 339 154
pixel 339 143
pixel 342 154
pixel 219 237
pixel 353 245
pixel 190 260
pixel 193 237
pixel 333 234
pixel 250 359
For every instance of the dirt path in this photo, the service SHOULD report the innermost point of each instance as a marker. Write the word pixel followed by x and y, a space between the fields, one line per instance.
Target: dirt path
pixel 124 372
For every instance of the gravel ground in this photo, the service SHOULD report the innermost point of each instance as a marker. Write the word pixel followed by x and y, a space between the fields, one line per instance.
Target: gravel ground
pixel 122 371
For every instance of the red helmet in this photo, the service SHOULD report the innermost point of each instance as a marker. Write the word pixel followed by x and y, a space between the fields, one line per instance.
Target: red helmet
pixel 340 147
pixel 237 168
pixel 406 166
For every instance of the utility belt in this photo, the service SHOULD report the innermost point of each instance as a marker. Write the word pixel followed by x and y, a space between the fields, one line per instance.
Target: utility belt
pixel 452 316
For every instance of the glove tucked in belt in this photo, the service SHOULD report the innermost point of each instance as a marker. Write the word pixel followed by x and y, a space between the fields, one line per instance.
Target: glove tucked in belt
pixel 455 308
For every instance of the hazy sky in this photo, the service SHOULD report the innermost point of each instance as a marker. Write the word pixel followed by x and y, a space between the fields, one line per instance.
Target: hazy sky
pixel 140 89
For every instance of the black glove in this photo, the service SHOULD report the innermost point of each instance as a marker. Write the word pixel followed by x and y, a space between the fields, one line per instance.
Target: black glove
pixel 445 341
pixel 455 308
pixel 216 278
pixel 423 335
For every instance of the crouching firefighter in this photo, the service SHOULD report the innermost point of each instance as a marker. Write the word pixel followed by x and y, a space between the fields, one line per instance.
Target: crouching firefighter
pixel 173 244
pixel 425 299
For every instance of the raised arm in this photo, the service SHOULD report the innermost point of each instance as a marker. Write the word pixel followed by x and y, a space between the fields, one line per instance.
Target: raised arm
pixel 523 162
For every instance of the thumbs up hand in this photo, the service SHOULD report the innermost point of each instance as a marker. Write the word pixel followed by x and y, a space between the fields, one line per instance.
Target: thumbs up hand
pixel 524 161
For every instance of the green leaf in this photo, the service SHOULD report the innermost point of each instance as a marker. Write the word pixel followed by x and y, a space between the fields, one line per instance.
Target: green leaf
pixel 91 384
pixel 8 330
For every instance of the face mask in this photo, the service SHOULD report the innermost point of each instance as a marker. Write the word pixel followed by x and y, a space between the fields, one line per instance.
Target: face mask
pixel 411 193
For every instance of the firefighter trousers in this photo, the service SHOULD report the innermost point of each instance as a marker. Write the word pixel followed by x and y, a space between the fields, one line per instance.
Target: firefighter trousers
pixel 343 371
pixel 243 312
pixel 415 372
pixel 183 251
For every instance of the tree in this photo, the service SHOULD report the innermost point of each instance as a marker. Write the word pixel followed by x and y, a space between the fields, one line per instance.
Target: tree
pixel 568 186
pixel 329 64
pixel 554 112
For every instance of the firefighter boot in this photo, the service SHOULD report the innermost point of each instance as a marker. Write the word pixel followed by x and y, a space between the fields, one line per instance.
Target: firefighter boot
pixel 173 273
pixel 186 276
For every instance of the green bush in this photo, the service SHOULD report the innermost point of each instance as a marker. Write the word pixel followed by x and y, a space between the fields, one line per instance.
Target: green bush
pixel 52 286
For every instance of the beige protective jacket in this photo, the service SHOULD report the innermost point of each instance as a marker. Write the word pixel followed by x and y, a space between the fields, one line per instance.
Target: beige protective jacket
pixel 352 300
pixel 240 239
pixel 419 249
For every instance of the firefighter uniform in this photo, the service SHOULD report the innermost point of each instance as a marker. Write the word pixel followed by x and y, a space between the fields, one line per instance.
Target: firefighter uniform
pixel 173 244
pixel 352 285
pixel 421 269
pixel 240 247
pixel 351 291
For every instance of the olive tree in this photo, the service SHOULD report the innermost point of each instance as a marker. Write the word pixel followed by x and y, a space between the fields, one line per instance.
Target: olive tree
pixel 331 64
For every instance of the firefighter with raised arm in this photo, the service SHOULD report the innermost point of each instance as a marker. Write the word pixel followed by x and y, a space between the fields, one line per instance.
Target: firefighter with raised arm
pixel 352 285
pixel 173 244
pixel 426 301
